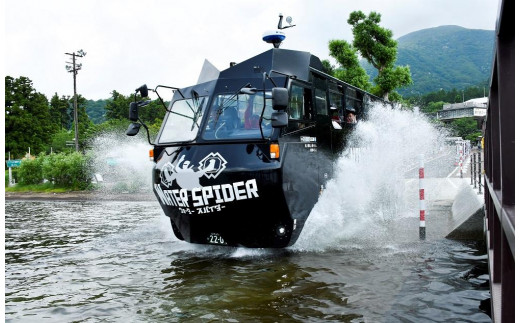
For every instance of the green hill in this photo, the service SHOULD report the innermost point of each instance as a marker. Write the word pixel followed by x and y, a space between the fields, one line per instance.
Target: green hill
pixel 96 110
pixel 444 57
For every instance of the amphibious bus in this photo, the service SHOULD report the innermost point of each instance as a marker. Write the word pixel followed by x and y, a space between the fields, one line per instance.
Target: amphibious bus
pixel 242 156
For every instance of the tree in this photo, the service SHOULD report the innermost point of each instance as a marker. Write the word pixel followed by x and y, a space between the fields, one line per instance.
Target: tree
pixel 59 141
pixel 28 120
pixel 376 45
pixel 96 110
pixel 466 128
pixel 328 67
pixel 350 70
pixel 432 107
pixel 84 122
pixel 117 106
pixel 59 110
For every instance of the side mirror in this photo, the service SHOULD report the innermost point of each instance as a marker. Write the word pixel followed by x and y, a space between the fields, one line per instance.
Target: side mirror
pixel 279 119
pixel 133 129
pixel 143 90
pixel 133 112
pixel 280 98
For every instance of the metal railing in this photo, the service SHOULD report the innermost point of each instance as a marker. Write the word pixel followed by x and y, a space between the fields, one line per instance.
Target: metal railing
pixel 499 166
pixel 476 164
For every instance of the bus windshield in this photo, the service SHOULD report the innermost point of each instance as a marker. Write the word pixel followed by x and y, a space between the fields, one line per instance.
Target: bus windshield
pixel 238 117
pixel 182 121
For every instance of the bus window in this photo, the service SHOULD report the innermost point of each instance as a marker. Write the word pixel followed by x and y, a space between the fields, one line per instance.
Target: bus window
pixel 320 94
pixel 336 106
pixel 321 101
pixel 300 103
pixel 296 105
pixel 352 101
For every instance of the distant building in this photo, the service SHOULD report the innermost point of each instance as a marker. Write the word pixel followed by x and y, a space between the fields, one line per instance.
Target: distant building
pixel 474 108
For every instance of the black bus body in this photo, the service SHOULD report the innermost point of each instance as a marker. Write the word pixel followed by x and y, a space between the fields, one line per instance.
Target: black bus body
pixel 241 159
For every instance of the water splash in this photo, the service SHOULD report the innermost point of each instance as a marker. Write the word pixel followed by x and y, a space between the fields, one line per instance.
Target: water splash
pixel 366 193
pixel 123 163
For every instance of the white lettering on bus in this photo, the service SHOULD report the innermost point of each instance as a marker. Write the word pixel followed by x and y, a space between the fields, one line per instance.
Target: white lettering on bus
pixel 208 197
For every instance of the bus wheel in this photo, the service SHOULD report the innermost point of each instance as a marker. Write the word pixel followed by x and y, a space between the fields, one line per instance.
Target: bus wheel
pixel 176 231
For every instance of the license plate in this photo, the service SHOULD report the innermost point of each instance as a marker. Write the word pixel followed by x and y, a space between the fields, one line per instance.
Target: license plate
pixel 215 238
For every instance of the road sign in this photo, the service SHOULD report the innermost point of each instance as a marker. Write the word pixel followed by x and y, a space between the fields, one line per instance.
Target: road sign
pixel 13 162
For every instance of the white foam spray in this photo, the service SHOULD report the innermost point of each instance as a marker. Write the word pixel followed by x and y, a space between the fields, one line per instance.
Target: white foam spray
pixel 366 192
pixel 123 162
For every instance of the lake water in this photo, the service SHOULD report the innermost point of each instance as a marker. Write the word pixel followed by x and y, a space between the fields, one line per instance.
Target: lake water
pixel 119 261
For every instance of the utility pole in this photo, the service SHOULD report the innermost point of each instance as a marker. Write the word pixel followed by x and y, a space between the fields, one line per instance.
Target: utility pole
pixel 74 70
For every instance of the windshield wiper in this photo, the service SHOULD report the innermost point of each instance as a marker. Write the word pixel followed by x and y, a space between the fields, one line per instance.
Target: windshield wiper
pixel 199 108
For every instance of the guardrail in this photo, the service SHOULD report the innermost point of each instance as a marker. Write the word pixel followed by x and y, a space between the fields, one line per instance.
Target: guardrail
pixel 476 164
pixel 499 166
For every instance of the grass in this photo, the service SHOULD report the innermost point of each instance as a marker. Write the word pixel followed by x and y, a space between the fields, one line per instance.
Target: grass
pixel 40 188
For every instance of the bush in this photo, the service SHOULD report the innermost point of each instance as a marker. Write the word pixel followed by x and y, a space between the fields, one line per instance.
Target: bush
pixel 67 170
pixel 30 171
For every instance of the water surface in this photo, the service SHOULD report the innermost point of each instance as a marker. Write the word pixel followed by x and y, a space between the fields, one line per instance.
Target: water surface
pixel 119 261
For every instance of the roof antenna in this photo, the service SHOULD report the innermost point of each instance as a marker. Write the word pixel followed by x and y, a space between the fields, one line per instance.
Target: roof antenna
pixel 288 19
pixel 276 37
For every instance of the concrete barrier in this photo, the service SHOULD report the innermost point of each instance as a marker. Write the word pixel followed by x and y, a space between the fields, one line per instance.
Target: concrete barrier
pixel 467 214
pixel 465 218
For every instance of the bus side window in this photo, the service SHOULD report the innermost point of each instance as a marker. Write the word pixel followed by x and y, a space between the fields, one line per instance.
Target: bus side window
pixel 300 103
pixel 296 105
pixel 336 106
pixel 307 95
pixel 321 101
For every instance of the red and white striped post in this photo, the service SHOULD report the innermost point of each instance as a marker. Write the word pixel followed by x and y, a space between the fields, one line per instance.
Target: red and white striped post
pixel 422 205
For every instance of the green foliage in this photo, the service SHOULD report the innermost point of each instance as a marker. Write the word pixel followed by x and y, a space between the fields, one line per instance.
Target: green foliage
pixel 28 121
pixel 376 45
pixel 432 107
pixel 374 42
pixel 59 141
pixel 452 96
pixel 445 57
pixel 84 123
pixel 152 113
pixel 328 67
pixel 30 171
pixel 65 170
pixel 96 110
pixel 117 106
pixel 350 70
pixel 390 78
pixel 59 111
pixel 465 128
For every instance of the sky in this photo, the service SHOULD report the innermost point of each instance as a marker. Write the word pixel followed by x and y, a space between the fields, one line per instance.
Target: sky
pixel 160 42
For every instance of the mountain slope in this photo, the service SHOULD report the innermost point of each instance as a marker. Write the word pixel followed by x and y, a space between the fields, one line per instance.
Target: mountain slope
pixel 444 57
